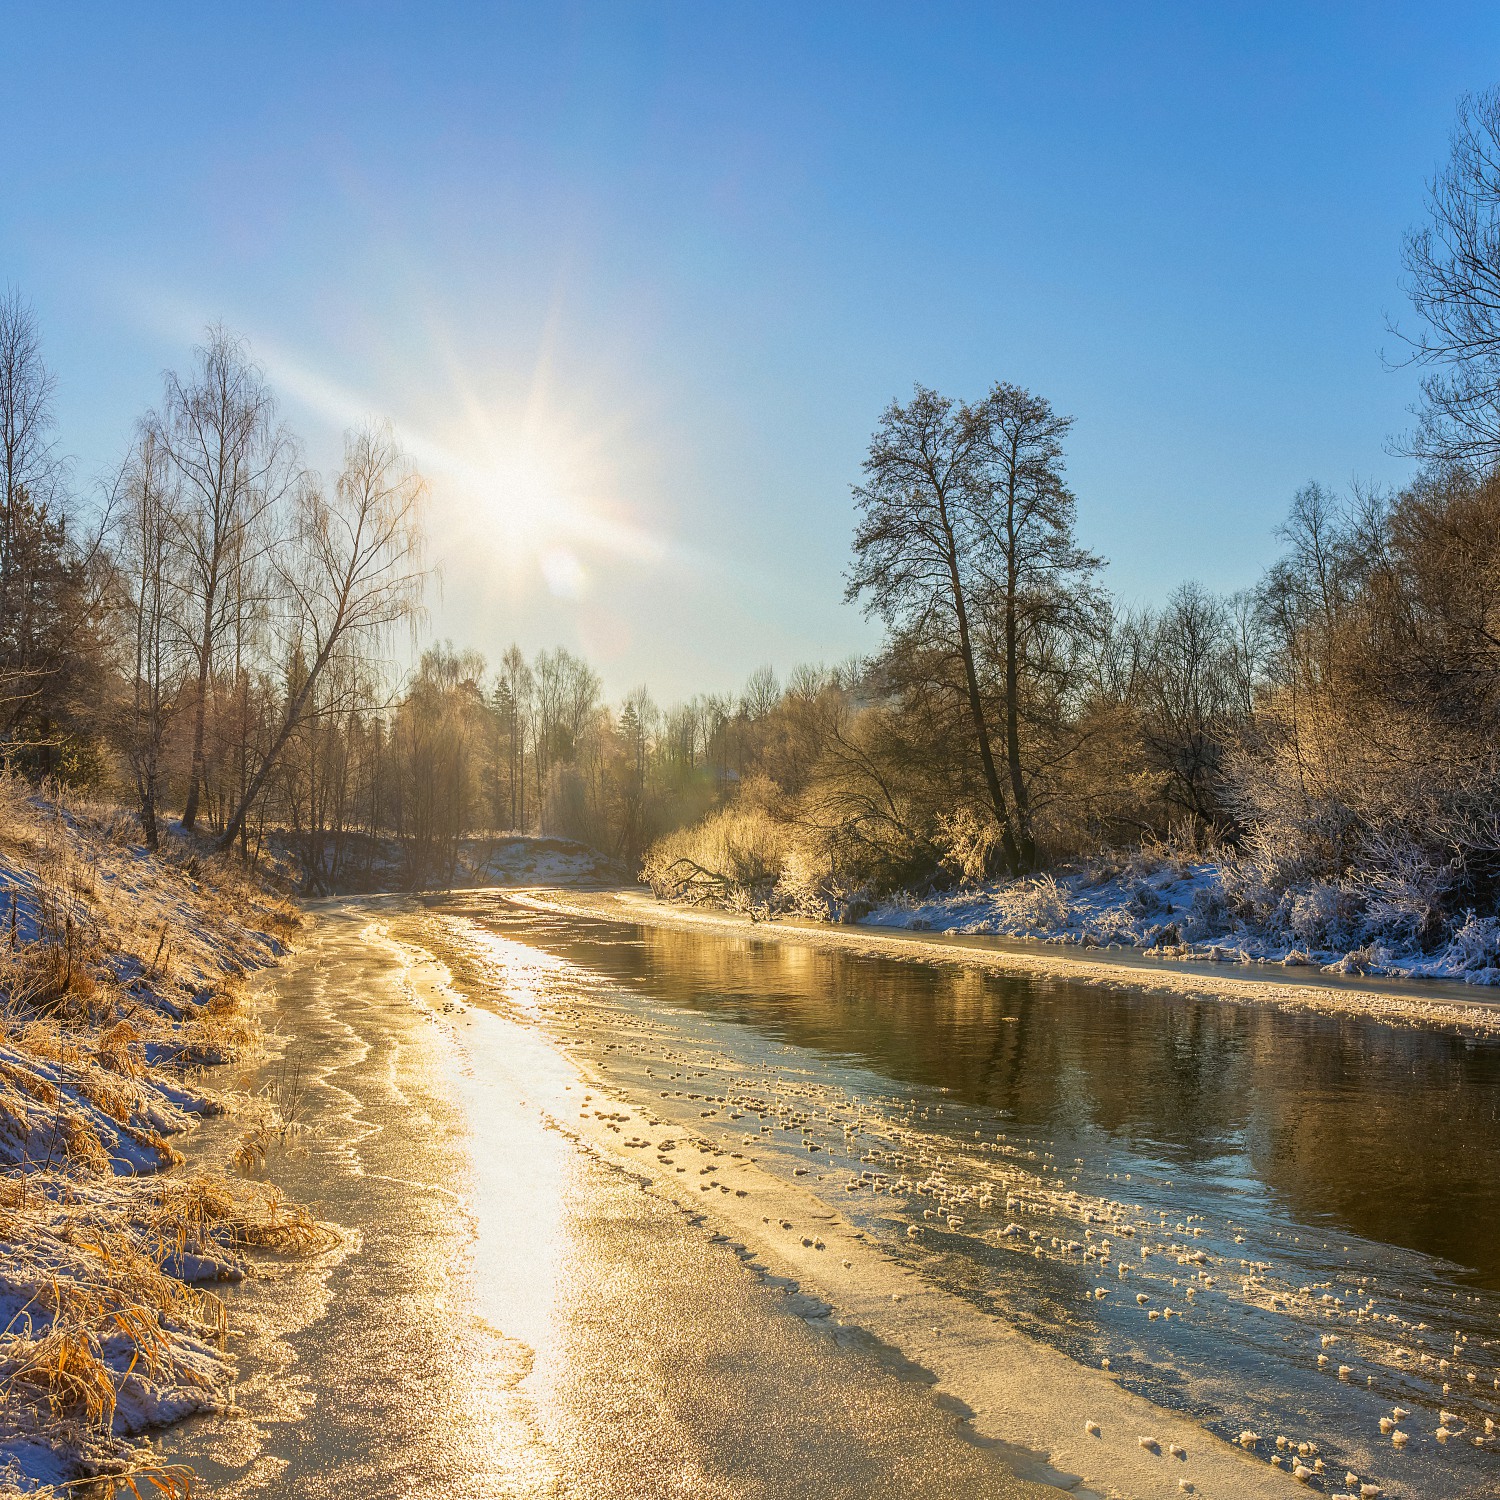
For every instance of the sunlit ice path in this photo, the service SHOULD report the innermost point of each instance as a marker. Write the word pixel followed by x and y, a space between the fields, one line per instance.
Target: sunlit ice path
pixel 628 1211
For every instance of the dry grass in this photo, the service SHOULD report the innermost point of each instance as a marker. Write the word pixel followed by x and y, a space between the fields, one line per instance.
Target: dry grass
pixel 107 1328
pixel 280 1122
pixel 146 1481
pixel 120 981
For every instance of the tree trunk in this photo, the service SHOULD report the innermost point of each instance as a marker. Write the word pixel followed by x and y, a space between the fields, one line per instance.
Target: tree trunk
pixel 981 729
pixel 268 761
pixel 195 773
pixel 148 813
pixel 1025 843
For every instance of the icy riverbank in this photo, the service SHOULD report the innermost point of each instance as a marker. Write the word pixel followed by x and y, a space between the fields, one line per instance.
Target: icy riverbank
pixel 1207 911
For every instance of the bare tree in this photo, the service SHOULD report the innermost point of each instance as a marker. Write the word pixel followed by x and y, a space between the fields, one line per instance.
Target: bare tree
pixel 915 549
pixel 146 500
pixel 1453 278
pixel 235 464
pixel 1038 586
pixel 439 731
pixel 1189 689
pixel 965 548
pixel 1306 591
pixel 567 695
pixel 37 572
pixel 29 466
pixel 761 695
pixel 353 571
pixel 516 693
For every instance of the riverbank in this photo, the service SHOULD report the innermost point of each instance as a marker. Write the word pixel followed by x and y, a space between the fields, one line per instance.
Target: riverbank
pixel 122 974
pixel 1173 900
pixel 1448 1007
pixel 1185 907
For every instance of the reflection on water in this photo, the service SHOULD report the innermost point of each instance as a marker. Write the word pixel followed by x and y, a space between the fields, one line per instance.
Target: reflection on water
pixel 511 1318
pixel 1389 1133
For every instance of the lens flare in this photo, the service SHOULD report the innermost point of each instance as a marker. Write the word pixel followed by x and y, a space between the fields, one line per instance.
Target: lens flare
pixel 528 488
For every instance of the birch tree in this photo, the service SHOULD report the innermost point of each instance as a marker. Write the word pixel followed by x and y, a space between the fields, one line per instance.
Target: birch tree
pixel 147 499
pixel 235 465
pixel 36 572
pixel 351 572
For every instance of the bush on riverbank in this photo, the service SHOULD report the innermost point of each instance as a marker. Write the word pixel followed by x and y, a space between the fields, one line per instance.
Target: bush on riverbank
pixel 1178 898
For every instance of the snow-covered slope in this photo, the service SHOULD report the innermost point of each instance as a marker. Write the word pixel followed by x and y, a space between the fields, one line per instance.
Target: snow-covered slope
pixel 119 977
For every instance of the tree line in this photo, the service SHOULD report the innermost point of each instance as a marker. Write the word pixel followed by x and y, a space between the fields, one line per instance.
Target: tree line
pixel 1329 733
pixel 214 637
pixel 210 636
pixel 176 638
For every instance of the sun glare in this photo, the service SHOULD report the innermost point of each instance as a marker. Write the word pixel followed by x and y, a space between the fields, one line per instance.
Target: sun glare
pixel 533 489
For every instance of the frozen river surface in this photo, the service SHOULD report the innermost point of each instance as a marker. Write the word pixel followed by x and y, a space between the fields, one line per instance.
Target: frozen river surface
pixel 1254 1219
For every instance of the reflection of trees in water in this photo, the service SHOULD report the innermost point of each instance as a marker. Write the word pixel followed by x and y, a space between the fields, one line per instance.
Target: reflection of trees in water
pixel 1393 1134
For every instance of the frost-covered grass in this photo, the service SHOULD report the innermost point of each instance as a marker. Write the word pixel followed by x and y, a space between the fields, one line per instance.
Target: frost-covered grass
pixel 1181 905
pixel 119 981
pixel 734 858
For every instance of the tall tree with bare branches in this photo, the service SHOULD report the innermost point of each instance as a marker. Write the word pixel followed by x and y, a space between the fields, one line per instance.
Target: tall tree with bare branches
pixel 146 501
pixel 39 577
pixel 1035 583
pixel 352 572
pixel 1453 278
pixel 235 465
pixel 916 562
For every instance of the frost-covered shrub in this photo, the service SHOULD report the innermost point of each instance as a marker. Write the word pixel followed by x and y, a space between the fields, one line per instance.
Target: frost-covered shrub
pixel 1405 891
pixel 1146 902
pixel 1380 800
pixel 1370 958
pixel 1101 867
pixel 1475 948
pixel 1211 914
pixel 736 856
pixel 1040 904
pixel 1163 860
pixel 808 887
pixel 1324 915
pixel 968 843
pixel 1116 924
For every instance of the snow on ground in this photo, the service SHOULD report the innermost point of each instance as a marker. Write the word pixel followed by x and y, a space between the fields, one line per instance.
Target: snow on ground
pixel 369 866
pixel 520 859
pixel 1199 910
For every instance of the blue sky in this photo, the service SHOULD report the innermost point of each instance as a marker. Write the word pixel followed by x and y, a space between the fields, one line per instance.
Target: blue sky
pixel 634 282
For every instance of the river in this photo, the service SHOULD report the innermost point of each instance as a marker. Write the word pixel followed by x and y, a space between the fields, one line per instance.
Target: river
pixel 634 1210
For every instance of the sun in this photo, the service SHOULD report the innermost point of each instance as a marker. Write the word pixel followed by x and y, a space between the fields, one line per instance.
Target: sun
pixel 526 483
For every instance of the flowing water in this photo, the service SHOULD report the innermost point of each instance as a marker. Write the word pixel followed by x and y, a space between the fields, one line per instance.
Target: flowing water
pixel 1310 1203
